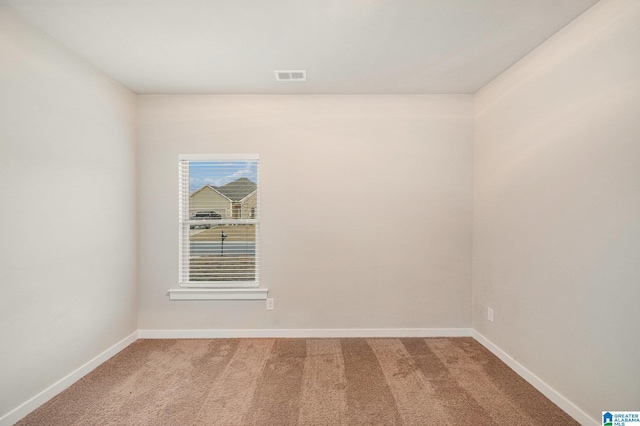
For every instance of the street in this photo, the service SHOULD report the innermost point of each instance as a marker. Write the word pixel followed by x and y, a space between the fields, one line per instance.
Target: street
pixel 231 248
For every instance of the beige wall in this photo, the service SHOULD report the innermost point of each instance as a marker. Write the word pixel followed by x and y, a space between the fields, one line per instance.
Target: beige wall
pixel 557 209
pixel 67 256
pixel 328 263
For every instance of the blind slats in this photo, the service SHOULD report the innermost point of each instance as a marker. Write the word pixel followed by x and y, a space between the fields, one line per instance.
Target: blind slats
pixel 219 220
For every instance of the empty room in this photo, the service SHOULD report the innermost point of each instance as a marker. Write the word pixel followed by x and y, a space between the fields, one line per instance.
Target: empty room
pixel 305 212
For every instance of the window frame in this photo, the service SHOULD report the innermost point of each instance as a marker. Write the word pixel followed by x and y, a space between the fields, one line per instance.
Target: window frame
pixel 191 287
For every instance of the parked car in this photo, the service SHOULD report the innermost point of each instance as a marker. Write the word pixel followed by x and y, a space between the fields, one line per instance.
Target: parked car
pixel 204 216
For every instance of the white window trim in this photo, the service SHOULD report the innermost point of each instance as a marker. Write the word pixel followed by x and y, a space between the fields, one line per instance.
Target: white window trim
pixel 218 293
pixel 250 290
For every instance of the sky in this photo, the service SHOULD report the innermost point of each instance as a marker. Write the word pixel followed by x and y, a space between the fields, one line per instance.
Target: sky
pixel 218 173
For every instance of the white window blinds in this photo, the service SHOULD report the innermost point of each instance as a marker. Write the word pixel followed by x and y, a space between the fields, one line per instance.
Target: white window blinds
pixel 219 220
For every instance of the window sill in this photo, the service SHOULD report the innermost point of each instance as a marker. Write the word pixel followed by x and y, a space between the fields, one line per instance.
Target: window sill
pixel 218 293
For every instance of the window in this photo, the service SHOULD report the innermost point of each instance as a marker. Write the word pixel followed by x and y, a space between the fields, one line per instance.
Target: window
pixel 219 223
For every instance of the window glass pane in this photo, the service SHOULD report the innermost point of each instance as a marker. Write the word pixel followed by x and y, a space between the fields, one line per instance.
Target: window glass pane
pixel 223 188
pixel 219 228
pixel 223 253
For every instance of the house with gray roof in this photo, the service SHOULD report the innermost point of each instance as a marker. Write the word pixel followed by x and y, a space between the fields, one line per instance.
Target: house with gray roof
pixel 235 200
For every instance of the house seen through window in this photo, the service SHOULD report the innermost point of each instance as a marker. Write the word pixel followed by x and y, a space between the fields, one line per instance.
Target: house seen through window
pixel 219 220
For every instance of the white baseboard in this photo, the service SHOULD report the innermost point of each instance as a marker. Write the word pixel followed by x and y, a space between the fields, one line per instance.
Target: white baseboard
pixel 557 398
pixel 27 407
pixel 305 333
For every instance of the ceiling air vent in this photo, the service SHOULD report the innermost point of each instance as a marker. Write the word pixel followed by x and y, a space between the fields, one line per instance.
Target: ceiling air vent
pixel 291 75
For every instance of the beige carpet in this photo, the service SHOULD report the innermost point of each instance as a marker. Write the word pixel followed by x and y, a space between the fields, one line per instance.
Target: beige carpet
pixel 436 381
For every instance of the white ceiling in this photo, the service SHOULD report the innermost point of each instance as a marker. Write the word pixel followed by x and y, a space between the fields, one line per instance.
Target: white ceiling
pixel 346 46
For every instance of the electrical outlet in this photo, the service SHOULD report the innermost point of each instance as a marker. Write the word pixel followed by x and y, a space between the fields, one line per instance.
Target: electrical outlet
pixel 270 305
pixel 490 314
